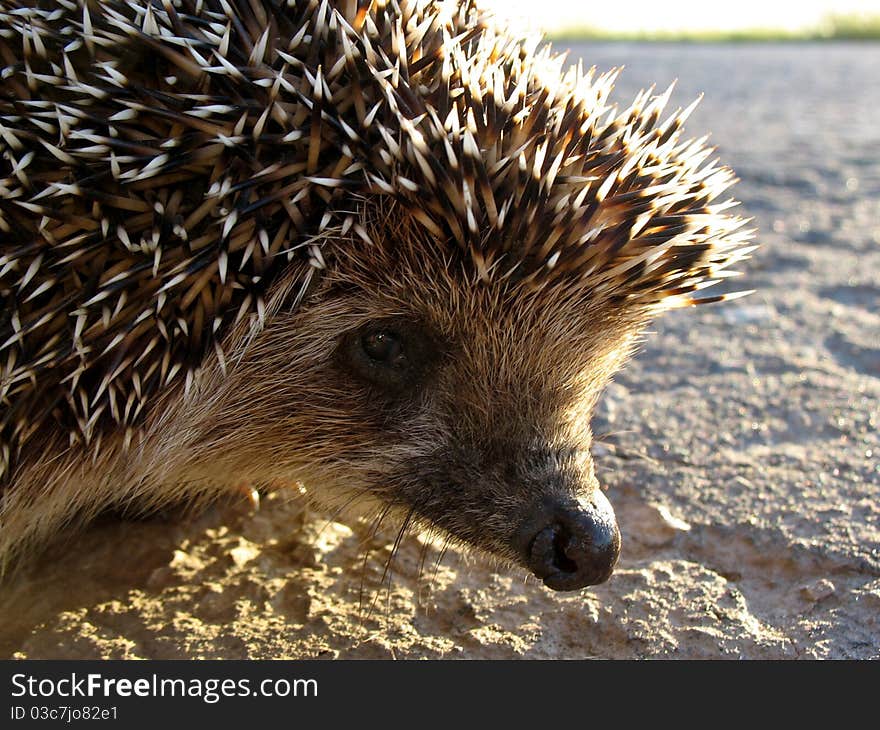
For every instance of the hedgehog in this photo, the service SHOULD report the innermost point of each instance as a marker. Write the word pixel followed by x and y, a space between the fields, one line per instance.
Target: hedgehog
pixel 384 252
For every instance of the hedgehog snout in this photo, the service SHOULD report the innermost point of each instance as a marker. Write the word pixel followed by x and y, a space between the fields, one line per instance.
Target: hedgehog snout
pixel 570 544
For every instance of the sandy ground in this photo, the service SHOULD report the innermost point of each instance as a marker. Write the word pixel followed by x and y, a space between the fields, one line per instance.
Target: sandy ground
pixel 740 450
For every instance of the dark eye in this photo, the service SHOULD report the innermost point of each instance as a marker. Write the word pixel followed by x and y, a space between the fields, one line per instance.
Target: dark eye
pixel 393 355
pixel 385 347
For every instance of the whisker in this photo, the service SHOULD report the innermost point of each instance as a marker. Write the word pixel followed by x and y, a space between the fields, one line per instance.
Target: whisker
pixel 372 535
pixel 423 556
pixel 447 541
pixel 339 510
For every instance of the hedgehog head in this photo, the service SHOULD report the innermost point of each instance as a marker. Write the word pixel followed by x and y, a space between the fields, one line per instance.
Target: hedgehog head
pixel 460 404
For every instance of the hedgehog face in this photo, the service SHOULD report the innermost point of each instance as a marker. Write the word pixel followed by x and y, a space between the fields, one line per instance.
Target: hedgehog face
pixel 481 426
pixel 463 404
pixel 476 399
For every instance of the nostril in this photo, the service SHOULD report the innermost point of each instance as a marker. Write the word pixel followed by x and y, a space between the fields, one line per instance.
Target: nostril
pixel 561 559
pixel 561 543
pixel 578 548
pixel 548 552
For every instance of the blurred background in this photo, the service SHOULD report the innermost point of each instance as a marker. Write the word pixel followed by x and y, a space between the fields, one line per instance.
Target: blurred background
pixel 687 19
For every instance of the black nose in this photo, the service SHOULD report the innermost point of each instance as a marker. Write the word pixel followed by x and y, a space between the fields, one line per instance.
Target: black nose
pixel 570 545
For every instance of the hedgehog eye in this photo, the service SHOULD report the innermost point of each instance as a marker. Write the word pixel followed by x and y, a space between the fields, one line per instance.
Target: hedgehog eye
pixel 385 347
pixel 394 356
